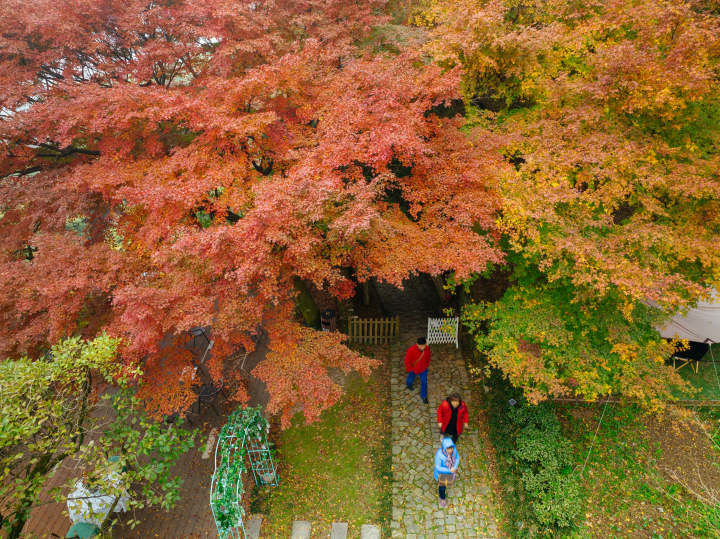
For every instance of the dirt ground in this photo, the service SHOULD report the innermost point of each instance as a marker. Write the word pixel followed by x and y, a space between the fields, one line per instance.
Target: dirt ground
pixel 688 457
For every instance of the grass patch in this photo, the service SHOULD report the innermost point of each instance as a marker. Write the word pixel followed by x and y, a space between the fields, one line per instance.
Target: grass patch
pixel 337 469
pixel 644 473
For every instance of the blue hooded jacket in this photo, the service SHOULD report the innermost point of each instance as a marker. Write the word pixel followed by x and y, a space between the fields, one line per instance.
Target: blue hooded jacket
pixel 441 456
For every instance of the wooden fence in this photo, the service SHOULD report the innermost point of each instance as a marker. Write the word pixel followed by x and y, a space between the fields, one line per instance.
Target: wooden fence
pixel 373 330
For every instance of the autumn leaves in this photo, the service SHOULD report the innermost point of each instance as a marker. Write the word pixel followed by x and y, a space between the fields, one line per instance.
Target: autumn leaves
pixel 243 145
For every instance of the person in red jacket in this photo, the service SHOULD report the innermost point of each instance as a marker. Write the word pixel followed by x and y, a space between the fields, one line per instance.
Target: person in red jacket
pixel 417 360
pixel 452 416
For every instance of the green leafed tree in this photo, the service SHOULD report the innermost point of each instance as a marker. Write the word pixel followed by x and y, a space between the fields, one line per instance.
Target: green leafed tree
pixel 52 409
pixel 134 456
pixel 44 416
pixel 551 341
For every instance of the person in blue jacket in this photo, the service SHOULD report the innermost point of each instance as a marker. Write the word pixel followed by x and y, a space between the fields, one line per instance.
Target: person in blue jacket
pixel 446 461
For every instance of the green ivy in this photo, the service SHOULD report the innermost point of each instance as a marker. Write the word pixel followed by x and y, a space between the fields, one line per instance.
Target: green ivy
pixel 227 481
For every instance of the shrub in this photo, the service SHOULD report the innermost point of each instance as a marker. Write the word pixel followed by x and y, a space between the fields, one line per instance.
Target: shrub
pixel 547 497
pixel 544 459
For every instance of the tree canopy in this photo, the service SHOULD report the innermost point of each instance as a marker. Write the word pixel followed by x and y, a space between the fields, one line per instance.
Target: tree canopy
pixel 179 163
pixel 611 113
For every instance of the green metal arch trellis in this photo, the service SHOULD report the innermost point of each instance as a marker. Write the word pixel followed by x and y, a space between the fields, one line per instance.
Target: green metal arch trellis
pixel 244 434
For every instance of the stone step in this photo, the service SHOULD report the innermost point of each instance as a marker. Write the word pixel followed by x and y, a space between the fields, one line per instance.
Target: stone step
pixel 252 529
pixel 339 530
pixel 368 531
pixel 301 529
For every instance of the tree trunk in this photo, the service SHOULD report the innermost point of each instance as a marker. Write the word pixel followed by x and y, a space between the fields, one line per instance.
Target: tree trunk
pixel 104 527
pixel 306 304
pixel 439 283
pixel 366 293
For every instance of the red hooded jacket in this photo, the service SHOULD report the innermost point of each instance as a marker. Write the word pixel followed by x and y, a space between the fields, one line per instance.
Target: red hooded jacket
pixel 417 360
pixel 444 413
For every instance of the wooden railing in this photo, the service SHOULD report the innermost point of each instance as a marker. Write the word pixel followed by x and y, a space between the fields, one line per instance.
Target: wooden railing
pixel 373 330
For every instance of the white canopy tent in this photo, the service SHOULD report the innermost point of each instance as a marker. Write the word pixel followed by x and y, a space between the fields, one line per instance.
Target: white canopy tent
pixel 701 324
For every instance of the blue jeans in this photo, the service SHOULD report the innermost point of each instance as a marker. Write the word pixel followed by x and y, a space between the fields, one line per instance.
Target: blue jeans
pixel 423 382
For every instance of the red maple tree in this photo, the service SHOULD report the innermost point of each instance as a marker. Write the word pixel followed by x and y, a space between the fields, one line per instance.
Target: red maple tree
pixel 179 163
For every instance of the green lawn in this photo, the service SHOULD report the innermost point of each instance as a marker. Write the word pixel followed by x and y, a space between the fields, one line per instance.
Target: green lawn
pixel 337 469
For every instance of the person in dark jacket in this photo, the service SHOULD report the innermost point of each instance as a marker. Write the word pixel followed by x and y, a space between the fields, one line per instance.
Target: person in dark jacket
pixel 446 462
pixel 452 416
pixel 417 360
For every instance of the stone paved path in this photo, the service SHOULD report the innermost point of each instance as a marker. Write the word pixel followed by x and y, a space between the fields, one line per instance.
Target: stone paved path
pixel 416 437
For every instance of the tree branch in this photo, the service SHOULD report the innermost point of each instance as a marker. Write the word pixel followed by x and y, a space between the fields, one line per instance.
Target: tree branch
pixel 24 171
pixel 64 152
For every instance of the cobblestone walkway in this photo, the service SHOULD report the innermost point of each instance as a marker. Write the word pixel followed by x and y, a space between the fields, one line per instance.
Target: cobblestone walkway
pixel 416 437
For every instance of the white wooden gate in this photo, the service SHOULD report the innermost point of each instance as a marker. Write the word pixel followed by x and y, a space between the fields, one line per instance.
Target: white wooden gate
pixel 443 331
